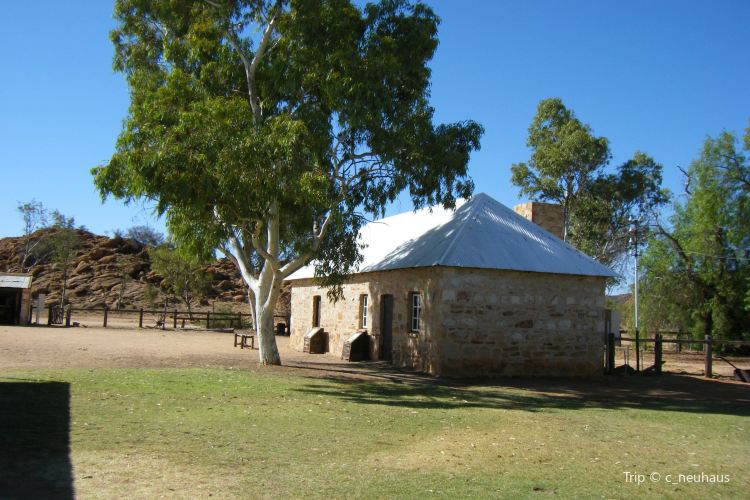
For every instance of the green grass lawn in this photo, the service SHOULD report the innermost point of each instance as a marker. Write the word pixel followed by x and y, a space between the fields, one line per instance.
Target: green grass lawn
pixel 225 433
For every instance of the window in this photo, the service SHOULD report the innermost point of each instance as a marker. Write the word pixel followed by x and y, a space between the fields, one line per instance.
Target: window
pixel 363 311
pixel 415 300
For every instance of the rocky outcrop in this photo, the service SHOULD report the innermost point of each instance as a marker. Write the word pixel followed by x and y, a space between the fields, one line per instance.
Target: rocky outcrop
pixel 106 271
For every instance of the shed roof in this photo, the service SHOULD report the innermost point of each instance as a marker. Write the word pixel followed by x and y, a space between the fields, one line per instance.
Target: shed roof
pixel 13 280
pixel 481 233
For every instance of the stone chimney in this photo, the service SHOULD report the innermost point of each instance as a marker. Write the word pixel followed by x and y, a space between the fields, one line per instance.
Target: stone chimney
pixel 547 215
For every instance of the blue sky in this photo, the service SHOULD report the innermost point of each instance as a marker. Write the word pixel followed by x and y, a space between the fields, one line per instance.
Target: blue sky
pixel 657 76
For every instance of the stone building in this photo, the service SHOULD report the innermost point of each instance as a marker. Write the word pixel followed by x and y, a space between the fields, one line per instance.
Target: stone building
pixel 472 292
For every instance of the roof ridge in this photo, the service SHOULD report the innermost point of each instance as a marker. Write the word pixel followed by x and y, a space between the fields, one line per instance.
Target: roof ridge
pixel 472 208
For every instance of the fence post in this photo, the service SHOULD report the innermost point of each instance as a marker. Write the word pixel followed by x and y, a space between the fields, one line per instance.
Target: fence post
pixel 67 316
pixel 208 320
pixel 175 320
pixel 657 353
pixel 637 350
pixel 140 319
pixel 106 310
pixel 610 352
pixel 709 357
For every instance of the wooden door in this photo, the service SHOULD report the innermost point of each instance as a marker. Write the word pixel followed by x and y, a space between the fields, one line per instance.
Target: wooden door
pixel 386 328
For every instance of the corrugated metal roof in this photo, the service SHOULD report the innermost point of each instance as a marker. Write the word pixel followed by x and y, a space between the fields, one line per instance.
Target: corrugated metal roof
pixel 480 233
pixel 8 280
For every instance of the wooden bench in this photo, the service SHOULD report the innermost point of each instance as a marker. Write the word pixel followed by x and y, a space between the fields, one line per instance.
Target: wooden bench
pixel 244 340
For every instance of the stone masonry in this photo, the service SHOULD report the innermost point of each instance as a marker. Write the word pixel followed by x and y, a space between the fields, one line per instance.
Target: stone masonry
pixel 549 216
pixel 476 322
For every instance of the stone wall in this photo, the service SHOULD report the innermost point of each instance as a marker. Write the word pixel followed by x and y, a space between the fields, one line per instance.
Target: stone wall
pixel 520 323
pixel 475 322
pixel 340 320
pixel 549 216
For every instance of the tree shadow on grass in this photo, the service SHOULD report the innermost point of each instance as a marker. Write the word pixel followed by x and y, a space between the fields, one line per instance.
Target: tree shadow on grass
pixel 34 439
pixel 666 393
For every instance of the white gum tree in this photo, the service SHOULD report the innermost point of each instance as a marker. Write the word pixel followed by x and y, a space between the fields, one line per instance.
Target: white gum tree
pixel 268 129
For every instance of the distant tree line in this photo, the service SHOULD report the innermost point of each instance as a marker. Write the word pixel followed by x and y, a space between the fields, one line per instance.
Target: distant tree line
pixel 695 266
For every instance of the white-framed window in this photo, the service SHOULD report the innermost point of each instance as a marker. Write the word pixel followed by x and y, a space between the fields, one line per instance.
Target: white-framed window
pixel 363 303
pixel 415 301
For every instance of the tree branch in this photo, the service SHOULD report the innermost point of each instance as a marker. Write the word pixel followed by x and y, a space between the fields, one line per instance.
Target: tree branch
pixel 687 179
pixel 258 246
pixel 300 261
pixel 251 65
pixel 242 263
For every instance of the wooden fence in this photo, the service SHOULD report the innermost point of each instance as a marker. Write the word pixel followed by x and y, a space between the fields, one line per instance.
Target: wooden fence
pixel 175 318
pixel 708 344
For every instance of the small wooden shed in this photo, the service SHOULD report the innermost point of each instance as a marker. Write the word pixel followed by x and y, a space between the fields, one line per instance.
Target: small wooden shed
pixel 15 298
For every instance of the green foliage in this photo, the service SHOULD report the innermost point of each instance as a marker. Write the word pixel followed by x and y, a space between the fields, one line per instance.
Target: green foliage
pixel 226 317
pixel 333 119
pixel 150 294
pixel 35 217
pixel 58 242
pixel 62 244
pixel 145 235
pixel 567 166
pixel 182 274
pixel 697 272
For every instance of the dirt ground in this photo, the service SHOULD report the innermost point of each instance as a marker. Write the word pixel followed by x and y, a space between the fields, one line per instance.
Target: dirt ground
pixel 28 348
pixel 685 362
pixel 122 346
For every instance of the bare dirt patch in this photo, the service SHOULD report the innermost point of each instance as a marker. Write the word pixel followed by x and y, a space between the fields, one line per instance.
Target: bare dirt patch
pixel 683 363
pixel 25 348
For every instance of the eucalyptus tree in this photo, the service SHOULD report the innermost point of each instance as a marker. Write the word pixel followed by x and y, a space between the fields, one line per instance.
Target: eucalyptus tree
pixel 697 267
pixel 269 130
pixel 568 166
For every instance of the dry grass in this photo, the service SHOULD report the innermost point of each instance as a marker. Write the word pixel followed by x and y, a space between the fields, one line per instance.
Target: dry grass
pixel 176 428
pixel 185 433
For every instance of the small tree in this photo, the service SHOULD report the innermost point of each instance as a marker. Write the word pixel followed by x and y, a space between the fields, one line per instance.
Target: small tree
pixel 34 218
pixel 124 270
pixel 63 244
pixel 183 275
pixel 145 235
pixel 150 294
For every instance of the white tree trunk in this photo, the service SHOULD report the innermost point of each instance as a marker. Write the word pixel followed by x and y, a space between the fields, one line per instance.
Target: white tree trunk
pixel 265 288
pixel 265 304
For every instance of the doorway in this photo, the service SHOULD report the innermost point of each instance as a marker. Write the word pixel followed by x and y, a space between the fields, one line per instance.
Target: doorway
pixel 385 353
pixel 10 301
pixel 316 311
